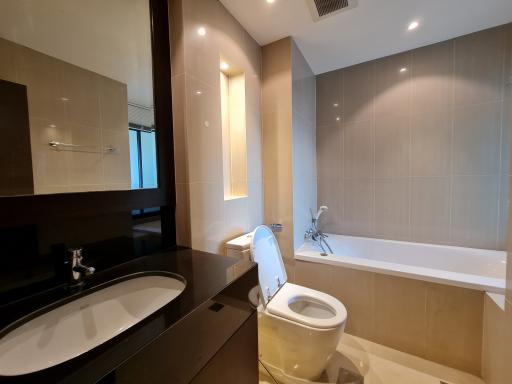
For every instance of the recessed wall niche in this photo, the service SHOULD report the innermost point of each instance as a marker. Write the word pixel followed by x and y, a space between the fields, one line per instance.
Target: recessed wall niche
pixel 234 144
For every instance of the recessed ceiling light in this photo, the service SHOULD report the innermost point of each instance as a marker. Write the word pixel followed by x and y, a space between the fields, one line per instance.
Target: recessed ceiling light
pixel 403 69
pixel 201 31
pixel 413 25
pixel 271 1
pixel 64 99
pixel 53 126
pixel 224 66
pixel 338 118
pixel 199 92
pixel 335 105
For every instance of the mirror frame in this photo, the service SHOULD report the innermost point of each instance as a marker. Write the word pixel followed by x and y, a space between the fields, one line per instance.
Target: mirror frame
pixel 36 209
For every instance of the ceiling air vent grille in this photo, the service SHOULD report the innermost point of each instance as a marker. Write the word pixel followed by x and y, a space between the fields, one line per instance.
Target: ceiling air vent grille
pixel 324 8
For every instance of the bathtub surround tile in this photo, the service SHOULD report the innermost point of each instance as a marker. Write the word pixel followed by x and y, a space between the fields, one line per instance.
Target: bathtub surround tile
pixel 478 66
pixel 447 342
pixel 316 276
pixel 358 154
pixel 447 115
pixel 503 212
pixel 329 152
pixel 434 321
pixel 474 211
pixel 355 290
pixel 392 208
pixel 330 194
pixel 358 203
pixel 392 146
pixel 400 305
pixel 430 210
pixel 393 86
pixel 329 98
pixel 358 92
pixel 494 343
pixel 431 144
pixel 476 139
pixel 432 78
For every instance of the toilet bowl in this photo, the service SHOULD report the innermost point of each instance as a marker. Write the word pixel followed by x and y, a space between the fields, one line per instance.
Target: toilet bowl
pixel 298 328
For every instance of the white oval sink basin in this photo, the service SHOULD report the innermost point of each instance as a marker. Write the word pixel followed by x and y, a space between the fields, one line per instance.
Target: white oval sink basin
pixel 80 325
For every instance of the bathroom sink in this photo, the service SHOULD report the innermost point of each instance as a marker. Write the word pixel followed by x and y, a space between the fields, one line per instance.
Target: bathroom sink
pixel 76 327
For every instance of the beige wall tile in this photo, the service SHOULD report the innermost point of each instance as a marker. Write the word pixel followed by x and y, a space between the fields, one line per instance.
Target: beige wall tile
pixel 400 305
pixel 431 144
pixel 329 97
pixel 503 212
pixel 277 140
pixel 330 193
pixel 478 66
pixel 392 146
pixel 355 290
pixel 432 78
pixel 358 206
pixel 358 154
pixel 474 211
pixel 329 152
pixel 430 210
pixel 358 92
pixel 9 53
pixel 179 128
pixel 113 105
pixel 494 347
pixel 476 139
pixel 116 164
pixel 315 276
pixel 82 88
pixel 208 219
pixel 204 136
pixel 393 86
pixel 392 208
pixel 448 342
pixel 43 77
pixel 441 117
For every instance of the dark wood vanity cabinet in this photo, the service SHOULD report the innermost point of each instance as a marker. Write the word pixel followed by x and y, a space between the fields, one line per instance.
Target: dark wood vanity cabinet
pixel 216 343
pixel 236 361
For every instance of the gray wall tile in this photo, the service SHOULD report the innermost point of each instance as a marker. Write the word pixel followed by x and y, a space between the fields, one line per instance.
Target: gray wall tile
pixel 420 154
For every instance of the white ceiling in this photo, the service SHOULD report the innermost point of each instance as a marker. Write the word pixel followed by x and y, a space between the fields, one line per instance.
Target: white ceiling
pixel 111 37
pixel 375 28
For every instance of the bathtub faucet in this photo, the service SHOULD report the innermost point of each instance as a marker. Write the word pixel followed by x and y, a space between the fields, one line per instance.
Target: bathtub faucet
pixel 316 234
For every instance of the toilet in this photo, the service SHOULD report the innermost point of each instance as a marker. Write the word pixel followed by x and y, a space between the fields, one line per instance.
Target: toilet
pixel 298 328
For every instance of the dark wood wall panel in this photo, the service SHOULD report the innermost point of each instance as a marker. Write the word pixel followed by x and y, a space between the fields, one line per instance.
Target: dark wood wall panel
pixel 16 156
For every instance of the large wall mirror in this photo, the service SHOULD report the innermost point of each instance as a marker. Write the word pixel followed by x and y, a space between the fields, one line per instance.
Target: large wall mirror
pixel 76 97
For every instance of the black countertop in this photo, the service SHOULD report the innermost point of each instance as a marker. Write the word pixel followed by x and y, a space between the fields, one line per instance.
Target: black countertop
pixel 213 282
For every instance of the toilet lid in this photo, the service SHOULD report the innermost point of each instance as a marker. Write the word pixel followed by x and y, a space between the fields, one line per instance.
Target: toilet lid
pixel 271 272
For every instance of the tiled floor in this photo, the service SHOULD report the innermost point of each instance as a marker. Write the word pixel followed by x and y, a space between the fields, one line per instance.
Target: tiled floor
pixel 380 365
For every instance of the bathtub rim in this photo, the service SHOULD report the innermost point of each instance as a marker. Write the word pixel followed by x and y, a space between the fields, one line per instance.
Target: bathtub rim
pixel 457 279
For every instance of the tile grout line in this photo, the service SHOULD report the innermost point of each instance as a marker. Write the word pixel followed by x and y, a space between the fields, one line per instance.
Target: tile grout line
pixel 452 139
pixel 500 164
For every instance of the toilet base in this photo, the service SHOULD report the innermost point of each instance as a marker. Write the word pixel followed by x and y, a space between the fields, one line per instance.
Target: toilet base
pixel 298 351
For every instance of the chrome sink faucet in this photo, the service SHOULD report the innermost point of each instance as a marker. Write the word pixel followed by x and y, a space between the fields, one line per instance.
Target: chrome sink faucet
pixel 77 270
pixel 314 233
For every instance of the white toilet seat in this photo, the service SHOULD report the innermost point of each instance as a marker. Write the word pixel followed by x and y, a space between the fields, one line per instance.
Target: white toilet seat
pixel 307 306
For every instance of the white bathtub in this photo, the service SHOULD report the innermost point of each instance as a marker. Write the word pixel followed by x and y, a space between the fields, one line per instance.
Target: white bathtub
pixel 479 269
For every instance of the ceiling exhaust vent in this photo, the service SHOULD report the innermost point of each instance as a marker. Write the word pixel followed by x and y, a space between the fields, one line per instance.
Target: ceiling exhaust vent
pixel 325 8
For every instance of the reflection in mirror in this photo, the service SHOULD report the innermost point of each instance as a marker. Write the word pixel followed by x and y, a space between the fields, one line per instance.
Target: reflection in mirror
pixel 76 96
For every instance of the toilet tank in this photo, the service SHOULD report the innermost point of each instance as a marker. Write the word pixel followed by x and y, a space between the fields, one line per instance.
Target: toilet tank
pixel 239 248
